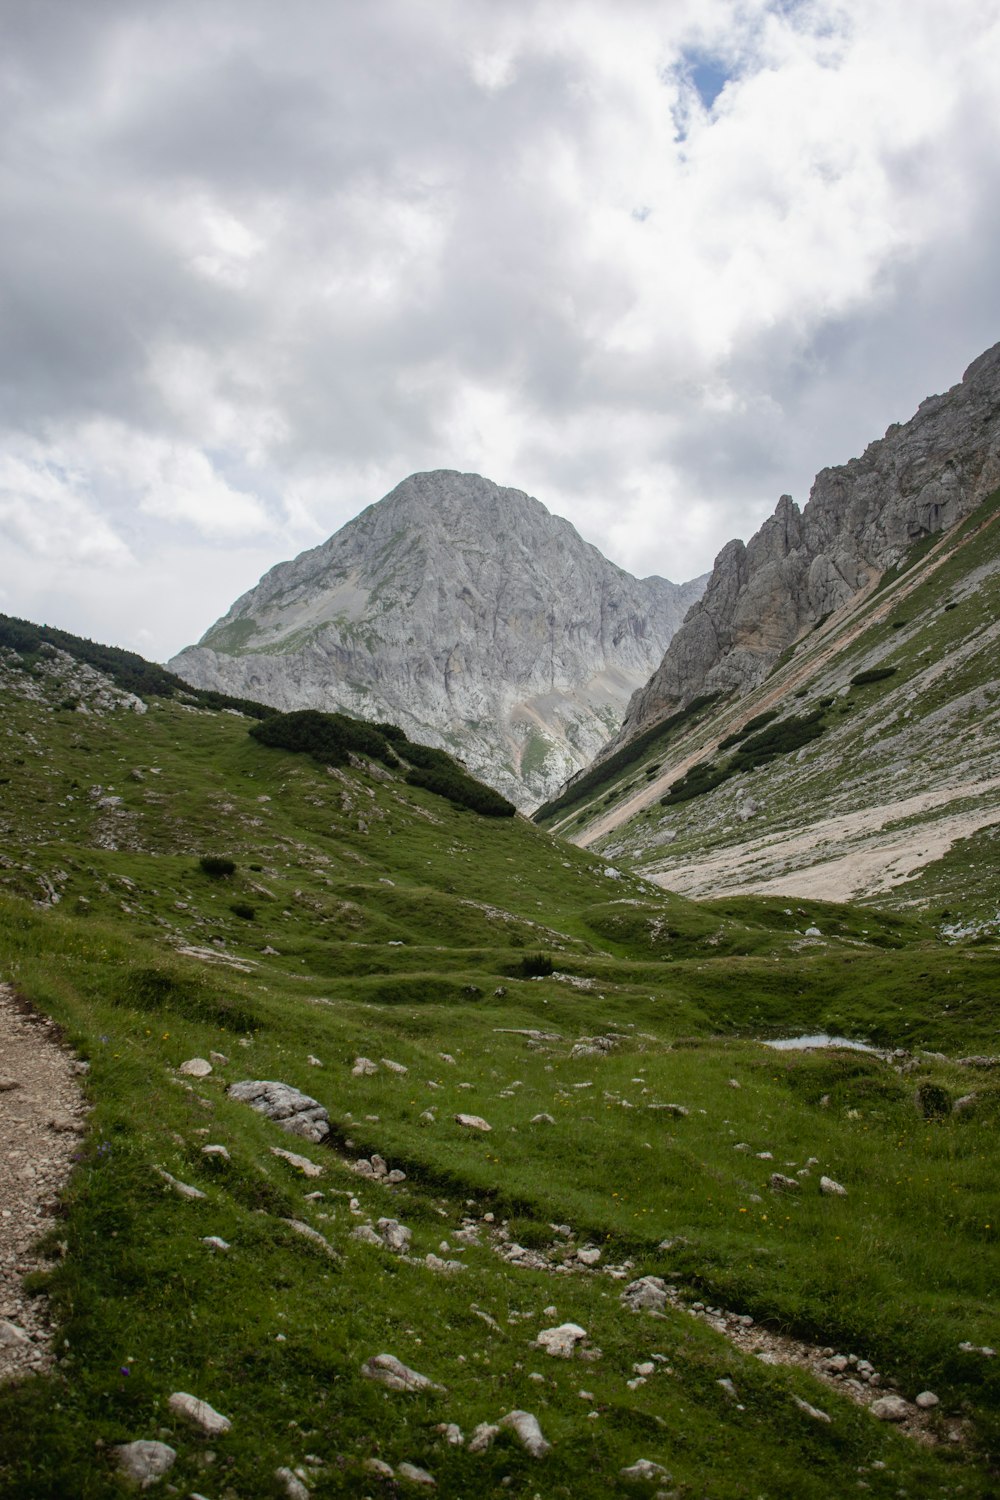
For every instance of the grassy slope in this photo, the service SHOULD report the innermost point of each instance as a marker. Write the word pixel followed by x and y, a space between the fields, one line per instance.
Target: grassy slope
pixel 396 919
pixel 936 718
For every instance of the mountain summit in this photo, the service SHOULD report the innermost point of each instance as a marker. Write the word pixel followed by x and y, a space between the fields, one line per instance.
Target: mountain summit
pixel 466 613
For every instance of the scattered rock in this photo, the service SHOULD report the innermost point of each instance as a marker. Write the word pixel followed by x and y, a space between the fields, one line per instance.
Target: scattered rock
pixel 810 1411
pixel 10 1333
pixel 984 1349
pixel 364 1067
pixel 394 1067
pixel 451 1432
pixel 644 1471
pixel 286 1106
pixel 145 1462
pixel 482 1437
pixel 379 1467
pixel 779 1183
pixel 391 1372
pixel 543 1119
pixel 309 1233
pixel 214 1242
pixel 395 1236
pixel 218 1059
pixel 589 1255
pixel 218 1151
pixel 301 1163
pixel 472 1122
pixel 196 1067
pixel 182 1189
pixel 891 1409
pixel 831 1188
pixel 199 1414
pixel 526 1429
pixel 366 1235
pixel 291 1484
pixel 411 1472
pixel 648 1294
pixel 927 1401
pixel 562 1341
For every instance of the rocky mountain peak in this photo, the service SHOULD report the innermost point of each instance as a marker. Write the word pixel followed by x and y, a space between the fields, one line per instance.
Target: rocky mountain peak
pixel 462 610
pixel 861 518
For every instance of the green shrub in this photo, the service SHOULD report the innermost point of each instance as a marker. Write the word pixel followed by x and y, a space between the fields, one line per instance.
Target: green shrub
pixel 217 866
pixel 536 966
pixel 933 1100
pixel 874 674
pixel 243 909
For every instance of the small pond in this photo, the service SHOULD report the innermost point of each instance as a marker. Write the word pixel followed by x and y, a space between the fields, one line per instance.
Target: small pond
pixel 796 1043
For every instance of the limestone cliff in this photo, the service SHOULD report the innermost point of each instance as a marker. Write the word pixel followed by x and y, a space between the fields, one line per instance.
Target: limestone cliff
pixel 861 518
pixel 462 611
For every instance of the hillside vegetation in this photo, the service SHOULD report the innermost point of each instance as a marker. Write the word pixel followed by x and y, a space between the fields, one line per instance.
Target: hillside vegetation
pixel 173 888
pixel 866 766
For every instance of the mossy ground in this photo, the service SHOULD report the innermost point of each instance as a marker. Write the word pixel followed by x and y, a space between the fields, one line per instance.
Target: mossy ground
pixel 398 927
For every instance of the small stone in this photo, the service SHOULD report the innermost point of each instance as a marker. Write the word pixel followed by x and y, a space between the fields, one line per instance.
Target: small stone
pixel 144 1461
pixel 365 1235
pixel 646 1367
pixel 196 1067
pixel 810 1411
pixel 379 1467
pixel 644 1471
pixel 451 1433
pixel 199 1414
pixel 525 1427
pixel 472 1122
pixel 415 1475
pixel 394 1177
pixel 364 1067
pixel 11 1334
pixel 394 1067
pixel 182 1189
pixel 832 1189
pixel 395 1236
pixel 779 1183
pixel 927 1400
pixel 727 1385
pixel 391 1372
pixel 313 1062
pixel 589 1255
pixel 217 1151
pixel 300 1163
pixel 214 1242
pixel 543 1119
pixel 428 1117
pixel 648 1294
pixel 218 1059
pixel 482 1437
pixel 291 1484
pixel 288 1107
pixel 561 1342
pixel 309 1233
pixel 891 1409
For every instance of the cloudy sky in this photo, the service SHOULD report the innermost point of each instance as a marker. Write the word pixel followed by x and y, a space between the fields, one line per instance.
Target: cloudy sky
pixel 654 261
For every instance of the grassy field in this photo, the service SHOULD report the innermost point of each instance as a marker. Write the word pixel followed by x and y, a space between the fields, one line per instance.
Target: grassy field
pixel 366 917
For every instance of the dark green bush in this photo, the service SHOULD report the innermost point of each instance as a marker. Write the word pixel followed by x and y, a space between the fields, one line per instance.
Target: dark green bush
pixel 243 909
pixel 874 674
pixel 536 966
pixel 933 1100
pixel 217 866
pixel 328 738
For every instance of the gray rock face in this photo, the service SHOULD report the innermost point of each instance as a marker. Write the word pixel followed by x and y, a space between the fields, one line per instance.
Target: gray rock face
pixel 463 612
pixel 860 519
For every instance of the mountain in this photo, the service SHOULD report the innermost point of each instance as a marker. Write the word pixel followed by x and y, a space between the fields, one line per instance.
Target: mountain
pixel 860 519
pixel 845 744
pixel 465 613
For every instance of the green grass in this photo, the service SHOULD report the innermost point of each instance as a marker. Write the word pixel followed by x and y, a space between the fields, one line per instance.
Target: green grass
pixel 399 927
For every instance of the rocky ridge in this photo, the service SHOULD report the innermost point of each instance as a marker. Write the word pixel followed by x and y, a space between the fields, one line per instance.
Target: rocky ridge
pixel 860 519
pixel 462 611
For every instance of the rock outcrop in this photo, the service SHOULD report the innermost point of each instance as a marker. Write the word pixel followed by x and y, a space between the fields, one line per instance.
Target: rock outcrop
pixel 861 518
pixel 463 612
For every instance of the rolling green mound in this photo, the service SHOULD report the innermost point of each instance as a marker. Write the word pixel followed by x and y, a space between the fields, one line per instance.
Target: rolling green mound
pixel 172 888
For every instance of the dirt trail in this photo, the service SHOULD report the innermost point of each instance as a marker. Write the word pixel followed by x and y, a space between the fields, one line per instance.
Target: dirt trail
pixel 42 1116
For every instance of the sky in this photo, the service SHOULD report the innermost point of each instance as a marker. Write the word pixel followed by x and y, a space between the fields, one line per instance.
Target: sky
pixel 655 262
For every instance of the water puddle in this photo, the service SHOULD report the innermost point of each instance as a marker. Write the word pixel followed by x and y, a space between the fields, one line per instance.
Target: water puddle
pixel 797 1043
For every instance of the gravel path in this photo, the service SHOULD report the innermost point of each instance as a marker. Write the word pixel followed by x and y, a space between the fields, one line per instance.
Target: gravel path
pixel 42 1116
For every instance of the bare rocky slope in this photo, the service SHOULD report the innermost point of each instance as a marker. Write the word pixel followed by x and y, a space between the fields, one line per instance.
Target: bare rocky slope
pixel 920 479
pixel 466 613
